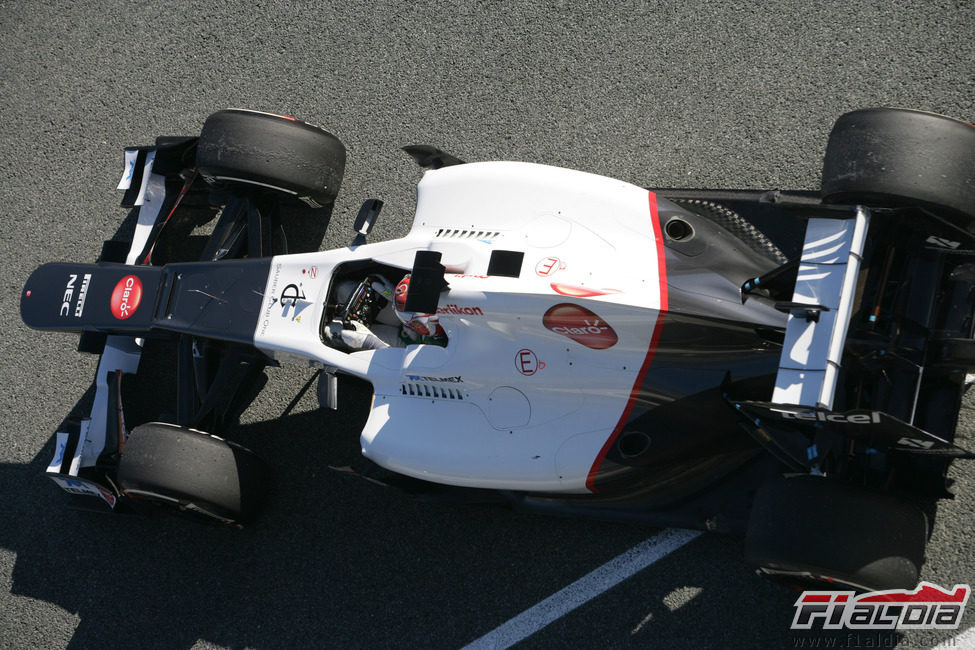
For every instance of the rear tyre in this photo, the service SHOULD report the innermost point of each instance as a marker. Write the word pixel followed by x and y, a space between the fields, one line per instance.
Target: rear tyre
pixel 809 531
pixel 193 472
pixel 897 157
pixel 264 150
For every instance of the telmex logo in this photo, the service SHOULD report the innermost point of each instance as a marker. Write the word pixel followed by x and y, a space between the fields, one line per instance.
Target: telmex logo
pixel 126 297
pixel 581 325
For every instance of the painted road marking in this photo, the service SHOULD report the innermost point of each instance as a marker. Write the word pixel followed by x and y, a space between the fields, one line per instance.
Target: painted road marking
pixel 584 589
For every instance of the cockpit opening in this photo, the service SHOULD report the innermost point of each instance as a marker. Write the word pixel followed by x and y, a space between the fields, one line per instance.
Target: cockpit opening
pixel 366 310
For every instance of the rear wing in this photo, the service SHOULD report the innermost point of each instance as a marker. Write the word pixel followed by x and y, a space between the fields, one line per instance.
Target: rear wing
pixel 819 314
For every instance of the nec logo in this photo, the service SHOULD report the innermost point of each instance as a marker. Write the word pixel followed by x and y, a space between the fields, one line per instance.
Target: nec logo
pixel 68 294
pixel 126 297
pixel 69 290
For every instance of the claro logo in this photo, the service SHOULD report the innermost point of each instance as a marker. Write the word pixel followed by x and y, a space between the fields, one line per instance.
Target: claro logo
pixel 126 297
pixel 581 325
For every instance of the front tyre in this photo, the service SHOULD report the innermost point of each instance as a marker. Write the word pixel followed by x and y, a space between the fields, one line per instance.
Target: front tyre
pixel 193 472
pixel 262 150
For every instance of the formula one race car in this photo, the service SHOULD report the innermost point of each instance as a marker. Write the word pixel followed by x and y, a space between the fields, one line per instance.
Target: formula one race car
pixel 785 364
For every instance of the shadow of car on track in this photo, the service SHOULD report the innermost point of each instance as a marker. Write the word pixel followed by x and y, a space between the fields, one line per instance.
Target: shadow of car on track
pixel 334 558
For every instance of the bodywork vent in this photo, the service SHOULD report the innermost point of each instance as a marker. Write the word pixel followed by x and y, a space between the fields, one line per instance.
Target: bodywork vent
pixel 432 391
pixel 452 233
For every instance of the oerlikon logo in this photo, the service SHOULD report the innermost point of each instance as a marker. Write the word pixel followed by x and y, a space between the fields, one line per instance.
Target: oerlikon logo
pixel 581 325
pixel 126 297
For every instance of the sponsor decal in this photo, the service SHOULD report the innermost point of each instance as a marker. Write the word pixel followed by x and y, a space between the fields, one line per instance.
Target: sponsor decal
pixel 549 266
pixel 926 607
pixel 873 417
pixel 463 311
pixel 59 454
pixel 68 294
pixel 916 444
pixel 446 380
pixel 942 242
pixel 399 293
pixel 581 325
pixel 579 292
pixel 271 301
pixel 291 298
pixel 293 293
pixel 126 297
pixel 69 290
pixel 527 363
pixel 79 308
pixel 293 302
pixel 80 486
pixel 469 275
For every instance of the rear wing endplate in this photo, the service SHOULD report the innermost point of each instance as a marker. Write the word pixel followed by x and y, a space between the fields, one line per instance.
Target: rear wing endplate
pixel 820 310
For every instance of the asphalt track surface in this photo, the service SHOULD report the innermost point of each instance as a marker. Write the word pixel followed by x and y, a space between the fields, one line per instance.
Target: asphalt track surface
pixel 666 94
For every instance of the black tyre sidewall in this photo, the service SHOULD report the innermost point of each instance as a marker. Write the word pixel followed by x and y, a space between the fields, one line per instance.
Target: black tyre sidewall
pixel 272 151
pixel 814 525
pixel 184 466
pixel 894 157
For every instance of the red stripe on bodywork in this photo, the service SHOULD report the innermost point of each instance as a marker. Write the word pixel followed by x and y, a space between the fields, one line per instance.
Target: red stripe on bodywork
pixel 658 237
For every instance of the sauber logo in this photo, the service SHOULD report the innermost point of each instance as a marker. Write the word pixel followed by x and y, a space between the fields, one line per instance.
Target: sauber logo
pixel 929 606
pixel 581 325
pixel 126 297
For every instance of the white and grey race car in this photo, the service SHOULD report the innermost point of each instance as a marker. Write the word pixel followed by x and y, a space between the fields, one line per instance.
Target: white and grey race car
pixel 785 364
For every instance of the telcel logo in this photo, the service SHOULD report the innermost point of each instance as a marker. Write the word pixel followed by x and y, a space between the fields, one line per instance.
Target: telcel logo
pixel 126 297
pixel 873 417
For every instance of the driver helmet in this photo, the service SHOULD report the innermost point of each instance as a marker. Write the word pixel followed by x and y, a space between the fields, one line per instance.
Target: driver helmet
pixel 417 328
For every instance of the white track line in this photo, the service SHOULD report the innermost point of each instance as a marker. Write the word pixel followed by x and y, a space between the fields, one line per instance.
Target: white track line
pixel 584 589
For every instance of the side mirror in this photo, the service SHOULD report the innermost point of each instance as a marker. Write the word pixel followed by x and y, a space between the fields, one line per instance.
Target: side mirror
pixel 366 219
pixel 429 157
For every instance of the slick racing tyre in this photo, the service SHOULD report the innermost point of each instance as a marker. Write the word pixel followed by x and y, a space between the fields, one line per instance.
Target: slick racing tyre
pixel 193 472
pixel 271 151
pixel 895 157
pixel 810 531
